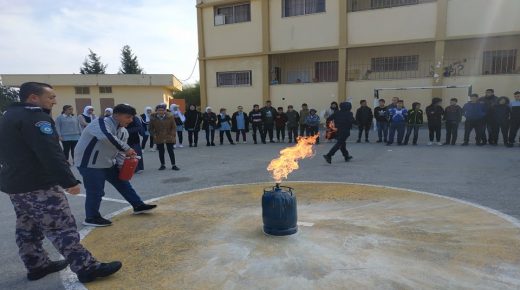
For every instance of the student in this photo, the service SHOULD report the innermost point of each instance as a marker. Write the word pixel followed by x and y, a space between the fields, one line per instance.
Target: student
pixel 95 154
pixel 87 116
pixel 381 115
pixel 452 116
pixel 489 123
pixel 331 110
pixel 393 105
pixel 209 124
pixel 434 113
pixel 255 118
pixel 145 121
pixel 502 114
pixel 398 117
pixel 280 122
pixel 135 130
pixel 364 118
pixel 240 124
pixel 268 115
pixel 514 119
pixel 414 121
pixel 192 125
pixel 108 112
pixel 179 121
pixel 68 130
pixel 224 126
pixel 343 120
pixel 293 120
pixel 475 113
pixel 304 112
pixel 312 122
pixel 163 129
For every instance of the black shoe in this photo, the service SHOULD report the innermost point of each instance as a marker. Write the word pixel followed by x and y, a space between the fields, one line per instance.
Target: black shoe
pixel 405 143
pixel 358 141
pixel 272 141
pixel 399 144
pixel 144 208
pixel 414 144
pixel 162 167
pixel 233 143
pixel 367 141
pixel 481 144
pixel 103 270
pixel 328 159
pixel 191 145
pixel 290 141
pixel 97 222
pixel 194 145
pixel 348 158
pixel 445 143
pixel 53 267
pixel 263 142
pixel 255 142
pixel 510 145
pixel 464 144
pixel 174 167
pixel 388 144
pixel 379 141
pixel 212 144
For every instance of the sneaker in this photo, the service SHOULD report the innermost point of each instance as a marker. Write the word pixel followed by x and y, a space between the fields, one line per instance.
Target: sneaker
pixel 181 146
pixel 348 158
pixel 175 168
pixel 103 270
pixel 379 141
pixel 290 141
pixel 445 143
pixel 367 141
pixel 430 143
pixel 414 144
pixel 272 141
pixel 245 142
pixel 162 167
pixel 212 144
pixel 52 267
pixel 208 144
pixel 195 145
pixel 464 144
pixel 328 159
pixel 175 146
pixel 358 141
pixel 263 142
pixel 144 208
pixel 97 222
pixel 153 150
pixel 388 144
pixel 255 142
pixel 191 145
pixel 439 144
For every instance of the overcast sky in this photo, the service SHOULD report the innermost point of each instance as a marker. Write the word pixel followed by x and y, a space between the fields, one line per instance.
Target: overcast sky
pixel 53 36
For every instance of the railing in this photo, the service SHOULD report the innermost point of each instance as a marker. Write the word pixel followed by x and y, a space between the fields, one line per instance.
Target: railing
pixel 360 5
pixel 356 72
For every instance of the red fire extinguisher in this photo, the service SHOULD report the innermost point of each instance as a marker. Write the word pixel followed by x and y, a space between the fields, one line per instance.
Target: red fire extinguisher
pixel 128 169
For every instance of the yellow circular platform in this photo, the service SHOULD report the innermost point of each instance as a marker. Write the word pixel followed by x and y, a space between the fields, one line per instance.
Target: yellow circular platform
pixel 350 237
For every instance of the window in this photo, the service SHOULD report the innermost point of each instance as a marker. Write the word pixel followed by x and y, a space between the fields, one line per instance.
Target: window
pixel 233 14
pixel 234 79
pixel 105 90
pixel 395 63
pixel 326 71
pixel 302 7
pixel 499 62
pixel 82 90
pixel 360 5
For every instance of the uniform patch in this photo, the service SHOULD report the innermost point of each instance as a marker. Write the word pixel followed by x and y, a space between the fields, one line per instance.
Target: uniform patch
pixel 45 127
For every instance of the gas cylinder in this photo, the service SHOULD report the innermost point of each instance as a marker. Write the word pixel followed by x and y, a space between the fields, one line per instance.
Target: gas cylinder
pixel 128 169
pixel 279 212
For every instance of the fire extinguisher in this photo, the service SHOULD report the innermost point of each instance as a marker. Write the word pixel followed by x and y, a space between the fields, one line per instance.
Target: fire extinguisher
pixel 128 169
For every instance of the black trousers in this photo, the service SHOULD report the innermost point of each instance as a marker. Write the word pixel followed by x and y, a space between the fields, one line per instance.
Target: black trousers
pixel 145 139
pixel 311 131
pixel 366 128
pixel 243 132
pixel 228 135
pixel 492 131
pixel 504 128
pixel 435 131
pixel 193 137
pixel 476 125
pixel 303 130
pixel 513 129
pixel 169 148
pixel 341 144
pixel 451 132
pixel 210 133
pixel 260 129
pixel 409 129
pixel 68 147
pixel 179 137
pixel 293 133
pixel 280 132
pixel 269 130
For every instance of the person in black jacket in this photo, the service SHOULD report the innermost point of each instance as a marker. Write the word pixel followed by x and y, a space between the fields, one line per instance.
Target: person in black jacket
pixel 135 130
pixel 502 114
pixel 414 121
pixel 35 175
pixel 209 124
pixel 382 119
pixel 145 120
pixel 364 118
pixel 280 121
pixel 268 116
pixel 434 112
pixel 240 124
pixel 490 101
pixel 514 119
pixel 453 117
pixel 343 120
pixel 192 125
pixel 255 118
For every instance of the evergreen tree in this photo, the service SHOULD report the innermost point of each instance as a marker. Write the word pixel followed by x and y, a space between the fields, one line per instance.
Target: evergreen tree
pixel 7 96
pixel 129 64
pixel 93 65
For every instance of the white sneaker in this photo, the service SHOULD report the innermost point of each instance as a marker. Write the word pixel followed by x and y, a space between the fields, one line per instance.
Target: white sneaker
pixel 430 143
pixel 439 143
pixel 175 146
pixel 245 142
pixel 180 146
pixel 152 150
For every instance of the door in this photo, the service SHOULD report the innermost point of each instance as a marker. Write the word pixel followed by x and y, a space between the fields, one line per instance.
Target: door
pixel 81 103
pixel 106 103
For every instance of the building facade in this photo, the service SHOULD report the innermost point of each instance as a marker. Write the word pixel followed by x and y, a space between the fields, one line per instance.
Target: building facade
pixel 319 51
pixel 104 90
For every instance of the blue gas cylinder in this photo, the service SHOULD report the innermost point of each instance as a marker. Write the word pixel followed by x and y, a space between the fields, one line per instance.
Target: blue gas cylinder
pixel 279 211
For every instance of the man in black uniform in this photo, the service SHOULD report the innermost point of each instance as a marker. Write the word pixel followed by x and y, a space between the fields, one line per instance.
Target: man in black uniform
pixel 343 120
pixel 34 173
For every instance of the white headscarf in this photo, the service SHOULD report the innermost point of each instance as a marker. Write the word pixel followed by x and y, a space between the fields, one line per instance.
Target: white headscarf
pixel 174 108
pixel 208 108
pixel 85 112
pixel 110 110
pixel 146 115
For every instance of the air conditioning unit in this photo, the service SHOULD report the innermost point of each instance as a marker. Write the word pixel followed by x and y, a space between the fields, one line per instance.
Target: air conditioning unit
pixel 220 19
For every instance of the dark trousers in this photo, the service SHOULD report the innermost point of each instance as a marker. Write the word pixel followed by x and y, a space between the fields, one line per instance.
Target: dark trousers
pixel 303 130
pixel 409 129
pixel 171 153
pixel 366 128
pixel 179 137
pixel 145 139
pixel 490 125
pixel 193 137
pixel 269 131
pixel 139 151
pixel 471 125
pixel 46 213
pixel 504 128
pixel 400 128
pixel 210 136
pixel 313 130
pixel 382 131
pixel 68 147
pixel 435 131
pixel 260 129
pixel 293 133
pixel 513 129
pixel 228 135
pixel 243 132
pixel 341 144
pixel 280 132
pixel 94 182
pixel 451 132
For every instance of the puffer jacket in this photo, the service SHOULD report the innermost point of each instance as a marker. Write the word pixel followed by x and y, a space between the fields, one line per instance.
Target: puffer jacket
pixel 163 129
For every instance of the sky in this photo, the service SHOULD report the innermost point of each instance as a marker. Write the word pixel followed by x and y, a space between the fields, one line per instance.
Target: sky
pixel 54 37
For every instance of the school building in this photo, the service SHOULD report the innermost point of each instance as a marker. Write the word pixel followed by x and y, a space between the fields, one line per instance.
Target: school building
pixel 319 51
pixel 104 90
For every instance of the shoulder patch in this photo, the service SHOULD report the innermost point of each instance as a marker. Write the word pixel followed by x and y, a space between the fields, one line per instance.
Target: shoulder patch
pixel 45 127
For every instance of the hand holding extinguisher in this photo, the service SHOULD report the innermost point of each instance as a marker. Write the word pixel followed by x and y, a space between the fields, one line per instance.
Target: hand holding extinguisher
pixel 128 169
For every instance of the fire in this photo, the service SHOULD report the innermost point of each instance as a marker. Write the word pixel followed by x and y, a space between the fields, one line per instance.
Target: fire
pixel 282 166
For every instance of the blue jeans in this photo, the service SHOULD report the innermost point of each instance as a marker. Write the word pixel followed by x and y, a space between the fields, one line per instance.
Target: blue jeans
pixel 382 131
pixel 94 182
pixel 399 127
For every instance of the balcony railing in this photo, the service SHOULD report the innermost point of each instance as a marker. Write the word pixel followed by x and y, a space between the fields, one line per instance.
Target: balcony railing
pixel 360 5
pixel 356 72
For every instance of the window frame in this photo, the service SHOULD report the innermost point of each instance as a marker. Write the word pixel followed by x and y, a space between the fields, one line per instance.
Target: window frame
pixel 332 65
pixel 394 63
pixel 489 56
pixel 234 79
pixel 105 89
pixel 234 5
pixel 82 90
pixel 304 9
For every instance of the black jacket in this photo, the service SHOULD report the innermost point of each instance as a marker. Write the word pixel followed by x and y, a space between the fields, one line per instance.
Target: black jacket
pixel 193 120
pixel 224 119
pixel 489 103
pixel 343 120
pixel 502 113
pixel 255 117
pixel 293 119
pixel 381 114
pixel 234 124
pixel 209 119
pixel 135 129
pixel 31 157
pixel 364 116
pixel 434 114
pixel 415 117
pixel 453 114
pixel 268 115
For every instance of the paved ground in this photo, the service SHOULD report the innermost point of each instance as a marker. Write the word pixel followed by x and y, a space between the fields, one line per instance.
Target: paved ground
pixel 484 175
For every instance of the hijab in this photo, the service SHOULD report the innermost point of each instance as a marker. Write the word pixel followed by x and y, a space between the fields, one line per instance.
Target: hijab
pixel 174 108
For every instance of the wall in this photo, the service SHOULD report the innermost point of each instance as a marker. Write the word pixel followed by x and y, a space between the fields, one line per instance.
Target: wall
pixel 504 85
pixel 392 24
pixel 291 33
pixel 478 17
pixel 298 62
pixel 317 96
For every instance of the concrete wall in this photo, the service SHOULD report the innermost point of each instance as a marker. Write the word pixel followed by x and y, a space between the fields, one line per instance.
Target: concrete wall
pixel 478 17
pixel 301 62
pixel 504 85
pixel 317 95
pixel 392 24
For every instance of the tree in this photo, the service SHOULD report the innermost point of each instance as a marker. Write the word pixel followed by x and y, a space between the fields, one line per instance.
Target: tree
pixel 7 96
pixel 129 64
pixel 191 94
pixel 93 65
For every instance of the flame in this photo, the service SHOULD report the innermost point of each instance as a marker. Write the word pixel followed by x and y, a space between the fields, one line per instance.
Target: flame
pixel 282 166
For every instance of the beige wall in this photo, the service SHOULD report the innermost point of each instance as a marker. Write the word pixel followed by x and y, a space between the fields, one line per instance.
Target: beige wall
pixel 317 95
pixel 392 24
pixel 301 62
pixel 504 85
pixel 478 17
pixel 230 39
pixel 305 31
